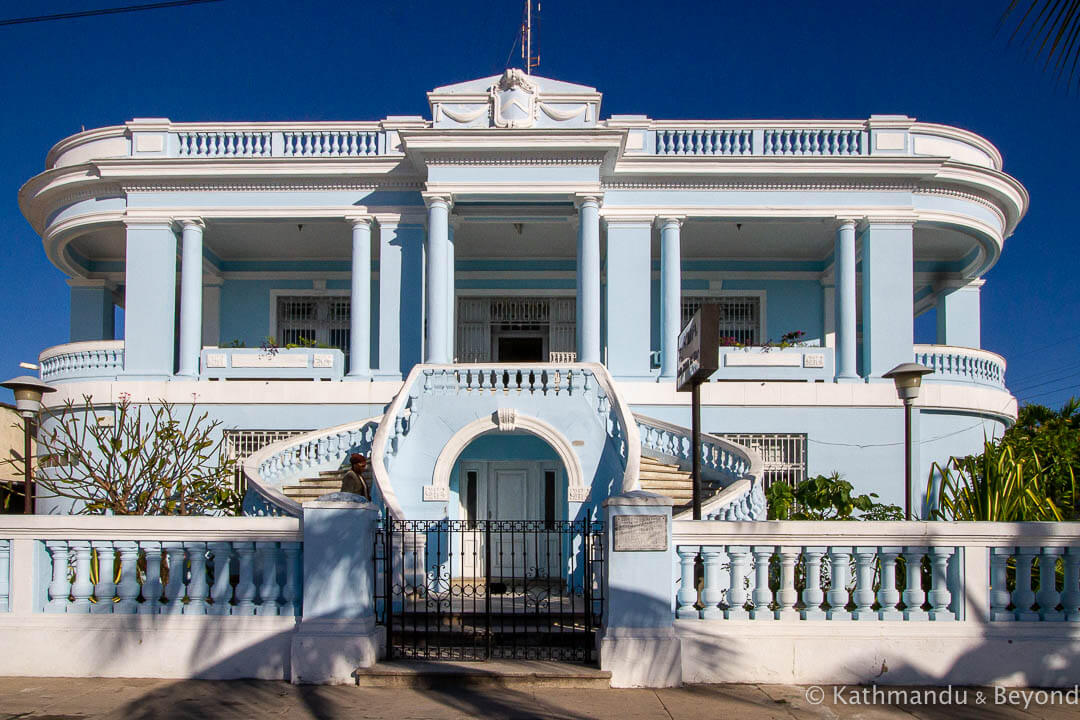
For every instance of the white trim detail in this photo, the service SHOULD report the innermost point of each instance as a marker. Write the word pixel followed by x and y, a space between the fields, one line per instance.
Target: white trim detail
pixel 575 476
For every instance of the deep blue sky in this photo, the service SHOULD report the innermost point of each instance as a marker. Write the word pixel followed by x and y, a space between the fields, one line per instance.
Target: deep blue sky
pixel 286 60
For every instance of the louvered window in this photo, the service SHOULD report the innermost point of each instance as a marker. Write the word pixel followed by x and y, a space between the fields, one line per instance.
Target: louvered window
pixel 740 316
pixel 784 454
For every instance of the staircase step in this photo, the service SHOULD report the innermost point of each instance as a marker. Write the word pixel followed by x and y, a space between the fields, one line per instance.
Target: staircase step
pixel 319 482
pixel 664 475
pixel 521 674
pixel 331 473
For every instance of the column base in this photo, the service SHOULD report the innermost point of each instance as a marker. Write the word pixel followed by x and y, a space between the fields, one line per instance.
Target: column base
pixel 642 657
pixel 328 652
pixel 359 377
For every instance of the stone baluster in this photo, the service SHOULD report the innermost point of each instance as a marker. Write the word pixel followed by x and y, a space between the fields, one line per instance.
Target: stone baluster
pixel 151 589
pixel 888 596
pixel 940 595
pixel 736 596
pixel 1048 596
pixel 197 589
pixel 1023 597
pixel 712 593
pixel 60 587
pixel 762 595
pixel 864 583
pixel 269 589
pixel 221 591
pixel 687 595
pixel 839 573
pixel 999 592
pixel 245 587
pixel 174 588
pixel 128 588
pixel 82 588
pixel 291 591
pixel 105 589
pixel 1070 596
pixel 914 596
pixel 812 595
pixel 787 596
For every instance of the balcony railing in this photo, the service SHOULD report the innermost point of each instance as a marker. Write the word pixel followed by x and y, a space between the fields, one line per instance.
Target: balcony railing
pixel 89 360
pixel 960 364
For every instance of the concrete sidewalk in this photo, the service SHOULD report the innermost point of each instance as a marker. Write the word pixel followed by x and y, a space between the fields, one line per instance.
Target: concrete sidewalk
pixel 60 698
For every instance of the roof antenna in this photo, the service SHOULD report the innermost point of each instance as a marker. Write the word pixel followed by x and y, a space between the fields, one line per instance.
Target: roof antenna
pixel 531 61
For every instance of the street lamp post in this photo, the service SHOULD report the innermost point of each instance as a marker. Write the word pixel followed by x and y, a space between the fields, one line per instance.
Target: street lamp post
pixel 908 379
pixel 28 391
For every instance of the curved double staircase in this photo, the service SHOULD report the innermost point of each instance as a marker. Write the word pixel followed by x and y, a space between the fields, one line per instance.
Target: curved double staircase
pixel 619 451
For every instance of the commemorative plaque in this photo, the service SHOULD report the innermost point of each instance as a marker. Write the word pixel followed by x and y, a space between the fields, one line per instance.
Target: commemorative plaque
pixel 641 533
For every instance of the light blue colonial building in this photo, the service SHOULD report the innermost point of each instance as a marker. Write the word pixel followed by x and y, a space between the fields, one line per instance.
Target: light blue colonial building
pixel 487 301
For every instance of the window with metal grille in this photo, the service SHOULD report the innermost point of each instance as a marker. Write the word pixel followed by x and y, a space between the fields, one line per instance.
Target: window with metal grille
pixel 242 444
pixel 740 315
pixel 784 455
pixel 304 320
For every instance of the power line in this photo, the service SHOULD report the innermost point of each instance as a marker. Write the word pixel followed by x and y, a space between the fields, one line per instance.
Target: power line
pixel 1025 379
pixel 1029 386
pixel 1057 342
pixel 102 11
pixel 1066 388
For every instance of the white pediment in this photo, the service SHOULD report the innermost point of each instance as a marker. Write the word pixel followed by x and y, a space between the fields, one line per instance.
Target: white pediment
pixel 514 100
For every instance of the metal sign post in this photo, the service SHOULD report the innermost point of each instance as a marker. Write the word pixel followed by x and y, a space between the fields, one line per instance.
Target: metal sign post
pixel 699 355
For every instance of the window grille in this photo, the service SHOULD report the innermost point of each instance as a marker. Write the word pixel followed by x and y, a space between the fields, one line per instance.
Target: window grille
pixel 784 455
pixel 242 444
pixel 305 319
pixel 740 316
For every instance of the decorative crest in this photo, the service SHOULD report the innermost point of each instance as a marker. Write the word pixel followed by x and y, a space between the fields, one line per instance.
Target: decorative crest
pixel 514 97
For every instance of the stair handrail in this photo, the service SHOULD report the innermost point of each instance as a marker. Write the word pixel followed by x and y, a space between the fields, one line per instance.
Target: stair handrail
pixel 623 416
pixel 748 483
pixel 252 467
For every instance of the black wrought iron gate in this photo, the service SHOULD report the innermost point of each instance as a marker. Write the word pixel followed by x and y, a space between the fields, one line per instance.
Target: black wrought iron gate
pixel 486 589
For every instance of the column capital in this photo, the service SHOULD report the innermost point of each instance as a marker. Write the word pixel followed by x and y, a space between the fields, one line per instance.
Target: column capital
pixel 897 219
pixel 595 199
pixel 663 221
pixel 638 220
pixel 91 283
pixel 841 221
pixel 189 222
pixel 433 199
pixel 359 220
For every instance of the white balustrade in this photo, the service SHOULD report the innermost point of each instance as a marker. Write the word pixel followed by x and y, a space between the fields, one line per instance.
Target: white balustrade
pixel 330 143
pixel 959 364
pixel 704 141
pixel 90 359
pixel 804 141
pixel 198 577
pixel 884 571
pixel 1023 583
pixel 223 143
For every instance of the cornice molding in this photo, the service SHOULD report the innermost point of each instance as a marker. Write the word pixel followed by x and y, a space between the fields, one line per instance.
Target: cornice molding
pixel 517 160
pixel 264 185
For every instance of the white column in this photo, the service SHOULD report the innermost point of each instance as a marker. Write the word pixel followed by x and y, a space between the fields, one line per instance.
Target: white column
pixel 451 299
pixel 670 294
pixel 191 259
pixel 438 252
pixel 588 279
pixel 844 317
pixel 360 300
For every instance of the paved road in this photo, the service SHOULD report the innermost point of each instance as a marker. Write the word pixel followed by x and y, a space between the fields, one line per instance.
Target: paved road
pixel 59 698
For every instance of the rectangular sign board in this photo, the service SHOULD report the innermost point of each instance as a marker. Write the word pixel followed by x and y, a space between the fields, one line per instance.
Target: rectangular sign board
pixel 641 533
pixel 699 347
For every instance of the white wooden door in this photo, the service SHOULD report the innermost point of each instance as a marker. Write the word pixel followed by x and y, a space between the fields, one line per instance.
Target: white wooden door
pixel 508 499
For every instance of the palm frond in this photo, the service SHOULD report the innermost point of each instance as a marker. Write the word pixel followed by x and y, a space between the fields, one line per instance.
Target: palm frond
pixel 1050 29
